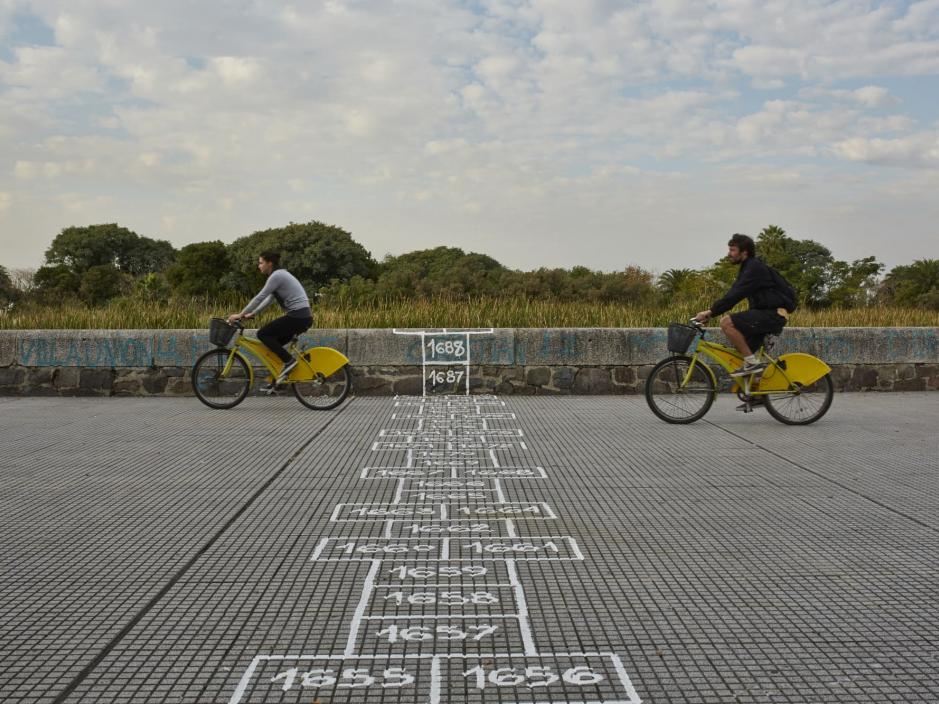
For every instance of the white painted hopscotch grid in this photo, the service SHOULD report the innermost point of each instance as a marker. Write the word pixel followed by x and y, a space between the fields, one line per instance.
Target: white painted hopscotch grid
pixel 445 358
pixel 442 614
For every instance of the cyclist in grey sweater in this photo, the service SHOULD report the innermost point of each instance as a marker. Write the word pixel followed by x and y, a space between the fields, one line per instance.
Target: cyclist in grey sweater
pixel 283 287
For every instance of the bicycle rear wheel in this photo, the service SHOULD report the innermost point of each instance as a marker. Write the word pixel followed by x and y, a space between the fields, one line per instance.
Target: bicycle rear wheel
pixel 214 387
pixel 674 401
pixel 803 404
pixel 323 393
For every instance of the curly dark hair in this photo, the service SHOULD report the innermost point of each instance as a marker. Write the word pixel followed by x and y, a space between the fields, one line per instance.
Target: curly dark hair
pixel 744 243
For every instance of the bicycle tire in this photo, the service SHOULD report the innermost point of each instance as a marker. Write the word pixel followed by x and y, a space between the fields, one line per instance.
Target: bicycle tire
pixel 205 377
pixel 790 407
pixel 672 404
pixel 324 394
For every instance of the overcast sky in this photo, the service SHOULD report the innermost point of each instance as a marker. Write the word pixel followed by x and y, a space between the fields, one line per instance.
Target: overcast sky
pixel 540 132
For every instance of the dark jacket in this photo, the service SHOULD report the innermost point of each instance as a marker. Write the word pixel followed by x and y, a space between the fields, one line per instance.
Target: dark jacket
pixel 755 283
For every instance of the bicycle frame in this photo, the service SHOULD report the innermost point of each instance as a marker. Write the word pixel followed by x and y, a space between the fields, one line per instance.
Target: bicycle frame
pixel 789 371
pixel 313 362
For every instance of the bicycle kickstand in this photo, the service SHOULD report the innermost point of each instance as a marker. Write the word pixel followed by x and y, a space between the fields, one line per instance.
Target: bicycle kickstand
pixel 747 405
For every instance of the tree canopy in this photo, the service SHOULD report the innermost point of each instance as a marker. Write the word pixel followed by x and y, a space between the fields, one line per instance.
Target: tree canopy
pixel 202 268
pixel 98 262
pixel 314 252
pixel 80 248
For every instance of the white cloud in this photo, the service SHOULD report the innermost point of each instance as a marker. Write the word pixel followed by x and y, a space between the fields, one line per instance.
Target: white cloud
pixel 416 122
pixel 918 150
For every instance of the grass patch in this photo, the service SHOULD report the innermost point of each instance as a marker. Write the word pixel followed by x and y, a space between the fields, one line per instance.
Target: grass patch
pixel 194 313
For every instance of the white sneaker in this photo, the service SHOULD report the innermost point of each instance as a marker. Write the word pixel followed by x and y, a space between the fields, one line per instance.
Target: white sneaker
pixel 747 369
pixel 285 372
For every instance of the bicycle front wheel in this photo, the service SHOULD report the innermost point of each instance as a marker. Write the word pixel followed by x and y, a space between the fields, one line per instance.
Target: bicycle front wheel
pixel 217 388
pixel 802 405
pixel 323 393
pixel 676 396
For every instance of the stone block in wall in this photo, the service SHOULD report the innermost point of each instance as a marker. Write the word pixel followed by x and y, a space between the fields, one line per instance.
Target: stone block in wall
pixel 592 380
pixel 7 347
pixel 178 386
pixel 625 376
pixel 916 384
pixel 95 381
pixel 538 376
pixel 67 379
pixel 369 383
pixel 562 377
pixel 40 381
pixel 864 376
pixel 11 380
pixel 409 386
pixel 138 382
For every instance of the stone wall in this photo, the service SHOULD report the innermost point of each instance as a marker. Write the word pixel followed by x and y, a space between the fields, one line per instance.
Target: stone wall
pixel 530 361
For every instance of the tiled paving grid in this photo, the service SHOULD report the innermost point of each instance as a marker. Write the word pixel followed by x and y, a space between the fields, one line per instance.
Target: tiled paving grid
pixel 716 568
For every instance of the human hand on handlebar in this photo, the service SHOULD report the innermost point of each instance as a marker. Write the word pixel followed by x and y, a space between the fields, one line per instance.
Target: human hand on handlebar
pixel 703 316
pixel 235 317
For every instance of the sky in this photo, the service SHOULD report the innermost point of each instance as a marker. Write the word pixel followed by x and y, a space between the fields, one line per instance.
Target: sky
pixel 540 132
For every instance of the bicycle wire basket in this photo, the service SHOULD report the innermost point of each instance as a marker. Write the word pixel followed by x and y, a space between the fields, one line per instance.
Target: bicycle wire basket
pixel 680 337
pixel 220 332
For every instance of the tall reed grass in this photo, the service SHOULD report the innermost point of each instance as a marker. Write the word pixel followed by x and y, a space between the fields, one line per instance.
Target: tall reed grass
pixel 189 313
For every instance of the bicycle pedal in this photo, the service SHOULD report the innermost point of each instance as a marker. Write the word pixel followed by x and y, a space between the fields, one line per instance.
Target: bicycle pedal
pixel 745 407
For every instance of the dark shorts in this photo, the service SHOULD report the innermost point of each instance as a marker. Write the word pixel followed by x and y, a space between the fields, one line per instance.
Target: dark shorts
pixel 755 325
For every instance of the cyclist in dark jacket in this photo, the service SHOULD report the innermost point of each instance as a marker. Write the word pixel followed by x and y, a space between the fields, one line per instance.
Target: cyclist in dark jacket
pixel 767 314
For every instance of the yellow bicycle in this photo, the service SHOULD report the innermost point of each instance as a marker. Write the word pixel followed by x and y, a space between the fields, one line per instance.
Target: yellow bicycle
pixel 222 377
pixel 796 388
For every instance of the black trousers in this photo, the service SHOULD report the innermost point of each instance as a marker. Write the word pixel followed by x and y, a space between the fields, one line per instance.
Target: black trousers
pixel 279 331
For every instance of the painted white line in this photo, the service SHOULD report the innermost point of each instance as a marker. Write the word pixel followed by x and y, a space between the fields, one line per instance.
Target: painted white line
pixel 448 585
pixel 435 680
pixel 436 617
pixel 245 680
pixel 522 605
pixel 499 493
pixel 319 549
pixel 363 605
pixel 624 679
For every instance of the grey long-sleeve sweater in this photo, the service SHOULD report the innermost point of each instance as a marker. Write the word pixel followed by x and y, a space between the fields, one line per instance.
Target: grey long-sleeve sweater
pixel 283 287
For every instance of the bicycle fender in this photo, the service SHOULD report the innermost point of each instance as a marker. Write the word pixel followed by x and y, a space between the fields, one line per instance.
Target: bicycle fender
pixel 799 367
pixel 324 360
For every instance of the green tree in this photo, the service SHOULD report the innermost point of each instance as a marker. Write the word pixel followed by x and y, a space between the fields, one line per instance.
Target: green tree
pixel 202 268
pixel 8 292
pixel 804 263
pixel 152 288
pixel 853 285
pixel 56 281
pixel 441 271
pixel 313 252
pixel 671 281
pixel 80 248
pixel 915 284
pixel 101 283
